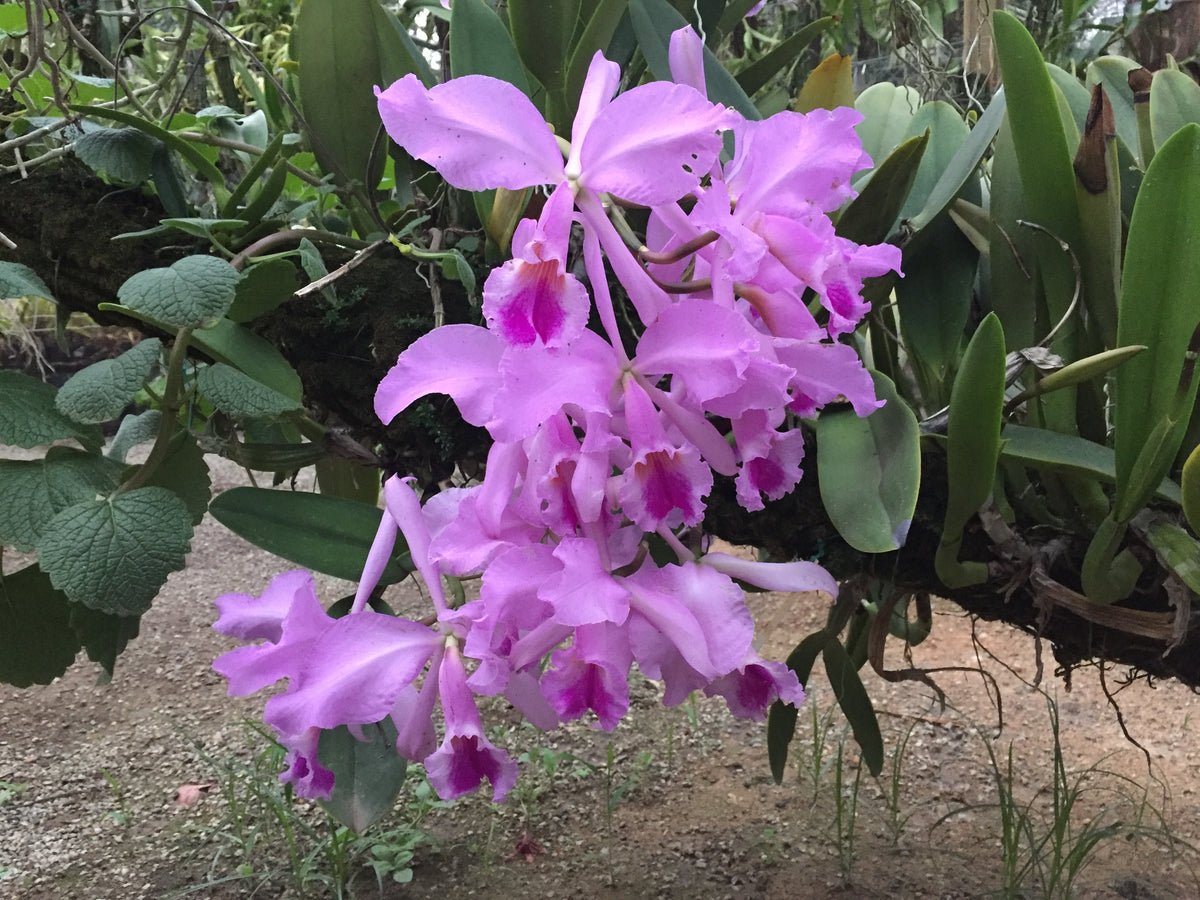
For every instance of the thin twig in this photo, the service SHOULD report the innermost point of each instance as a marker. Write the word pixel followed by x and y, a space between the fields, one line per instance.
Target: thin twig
pixel 354 262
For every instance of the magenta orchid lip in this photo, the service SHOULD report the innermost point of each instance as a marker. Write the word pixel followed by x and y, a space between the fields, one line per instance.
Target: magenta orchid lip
pixel 598 452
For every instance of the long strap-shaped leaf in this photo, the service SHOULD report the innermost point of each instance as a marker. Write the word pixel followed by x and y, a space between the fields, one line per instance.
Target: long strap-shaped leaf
pixel 1048 181
pixel 972 447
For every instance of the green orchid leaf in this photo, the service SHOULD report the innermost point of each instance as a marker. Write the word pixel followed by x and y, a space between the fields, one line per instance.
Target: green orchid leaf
pixel 888 111
pixel 1011 252
pixel 654 21
pixel 344 478
pixel 1041 448
pixel 327 534
pixel 542 31
pixel 934 299
pixel 1174 102
pixel 343 49
pixel 483 46
pixel 101 391
pixel 237 346
pixel 367 775
pixel 1160 308
pixel 964 163
pixel 30 418
pixel 781 719
pixel 37 643
pixel 186 294
pixel 1044 157
pixel 972 447
pixel 1190 489
pixel 35 491
pixel 398 55
pixel 868 218
pixel 756 75
pixel 278 457
pixel 115 554
pixel 601 25
pixel 947 133
pixel 855 703
pixel 870 471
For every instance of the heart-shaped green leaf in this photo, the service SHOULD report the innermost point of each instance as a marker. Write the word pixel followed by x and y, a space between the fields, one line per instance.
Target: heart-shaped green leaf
pixel 114 555
pixel 37 643
pixel 99 392
pixel 237 394
pixel 35 491
pixel 185 295
pixel 29 418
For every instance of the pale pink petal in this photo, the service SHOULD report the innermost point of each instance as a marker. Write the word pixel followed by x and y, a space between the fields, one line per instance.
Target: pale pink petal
pixel 603 79
pixel 799 575
pixel 538 382
pixel 304 772
pixel 699 614
pixel 354 673
pixel 412 715
pixel 825 372
pixel 377 559
pixel 478 132
pixel 459 360
pixel 652 144
pixel 404 509
pixel 792 162
pixel 584 592
pixel 666 484
pixel 251 618
pixel 686 56
pixel 591 674
pixel 770 462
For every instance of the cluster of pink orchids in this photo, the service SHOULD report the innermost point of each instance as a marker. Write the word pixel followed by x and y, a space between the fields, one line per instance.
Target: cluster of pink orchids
pixel 596 450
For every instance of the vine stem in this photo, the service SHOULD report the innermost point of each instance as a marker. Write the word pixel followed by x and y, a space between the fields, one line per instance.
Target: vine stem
pixel 172 402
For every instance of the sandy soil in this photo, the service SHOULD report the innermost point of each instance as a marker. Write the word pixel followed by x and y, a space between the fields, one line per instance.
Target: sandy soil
pixel 676 803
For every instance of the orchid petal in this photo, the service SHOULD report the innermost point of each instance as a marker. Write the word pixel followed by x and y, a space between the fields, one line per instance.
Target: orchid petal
pixel 686 55
pixel 603 79
pixel 354 673
pixel 799 575
pixel 459 360
pixel 478 132
pixel 652 144
pixel 250 618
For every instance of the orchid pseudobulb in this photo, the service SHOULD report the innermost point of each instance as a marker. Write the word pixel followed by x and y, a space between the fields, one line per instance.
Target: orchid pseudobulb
pixel 597 452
